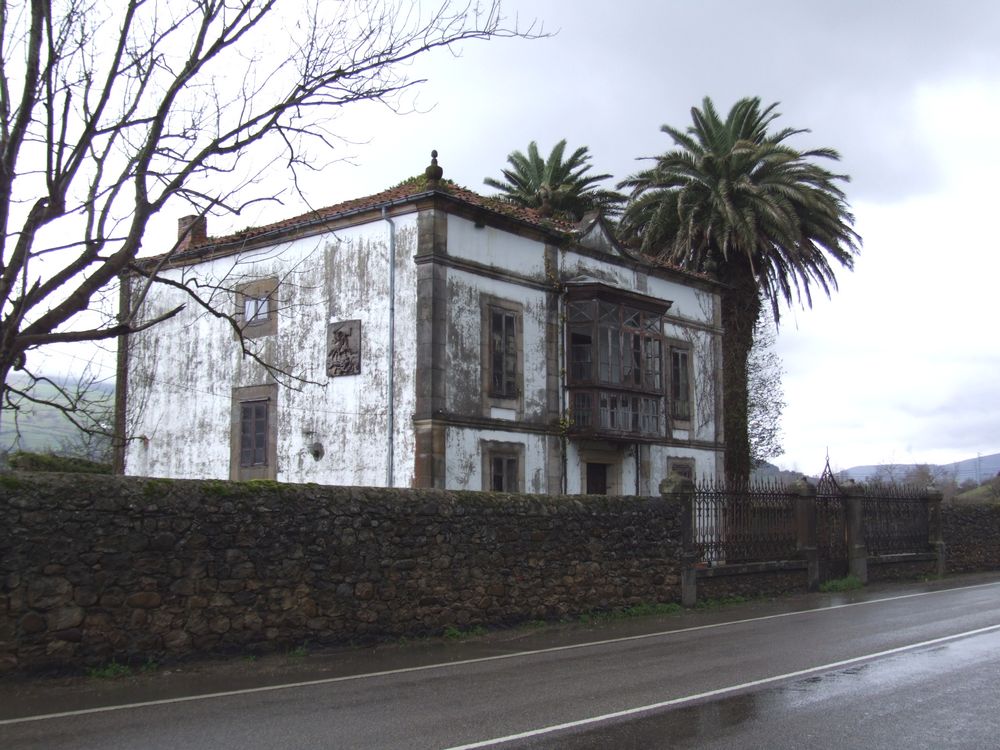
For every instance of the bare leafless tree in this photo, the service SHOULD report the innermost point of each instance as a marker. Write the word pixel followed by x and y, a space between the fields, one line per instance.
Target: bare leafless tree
pixel 889 474
pixel 111 110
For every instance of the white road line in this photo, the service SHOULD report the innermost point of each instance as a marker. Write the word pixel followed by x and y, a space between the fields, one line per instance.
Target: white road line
pixel 477 660
pixel 718 692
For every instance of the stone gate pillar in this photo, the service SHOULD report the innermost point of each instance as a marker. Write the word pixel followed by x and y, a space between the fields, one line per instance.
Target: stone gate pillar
pixel 935 534
pixel 681 490
pixel 805 529
pixel 857 548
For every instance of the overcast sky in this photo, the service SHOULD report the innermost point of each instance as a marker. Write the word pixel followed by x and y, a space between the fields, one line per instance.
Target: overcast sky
pixel 902 364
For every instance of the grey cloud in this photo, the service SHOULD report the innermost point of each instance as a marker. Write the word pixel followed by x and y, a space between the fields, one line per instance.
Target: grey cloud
pixel 849 71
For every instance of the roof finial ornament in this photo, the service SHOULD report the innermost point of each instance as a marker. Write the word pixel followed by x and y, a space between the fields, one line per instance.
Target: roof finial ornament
pixel 433 173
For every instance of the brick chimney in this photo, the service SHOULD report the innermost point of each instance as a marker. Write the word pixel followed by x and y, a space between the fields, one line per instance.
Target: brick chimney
pixel 191 231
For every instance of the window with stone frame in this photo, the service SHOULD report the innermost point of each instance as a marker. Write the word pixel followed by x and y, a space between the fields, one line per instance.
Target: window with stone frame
pixel 680 383
pixel 257 307
pixel 682 467
pixel 503 466
pixel 616 367
pixel 254 433
pixel 502 353
pixel 600 471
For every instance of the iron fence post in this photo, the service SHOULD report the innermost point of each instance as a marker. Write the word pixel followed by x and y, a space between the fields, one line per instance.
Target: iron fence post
pixel 934 530
pixel 805 528
pixel 681 490
pixel 857 549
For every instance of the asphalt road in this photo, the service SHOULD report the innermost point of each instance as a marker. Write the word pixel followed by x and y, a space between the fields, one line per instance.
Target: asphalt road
pixel 905 666
pixel 939 697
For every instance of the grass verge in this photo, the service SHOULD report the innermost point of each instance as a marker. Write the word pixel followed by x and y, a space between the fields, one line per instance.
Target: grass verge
pixel 847 583
pixel 111 671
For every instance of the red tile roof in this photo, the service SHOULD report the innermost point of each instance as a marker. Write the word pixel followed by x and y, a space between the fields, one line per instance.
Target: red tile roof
pixel 406 190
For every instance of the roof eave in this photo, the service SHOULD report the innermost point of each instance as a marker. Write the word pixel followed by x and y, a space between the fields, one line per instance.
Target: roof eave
pixel 212 249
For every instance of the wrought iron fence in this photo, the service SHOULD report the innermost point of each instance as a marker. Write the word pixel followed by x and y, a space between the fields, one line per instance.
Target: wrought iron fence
pixel 831 518
pixel 749 524
pixel 895 519
pixel 758 522
pixel 831 526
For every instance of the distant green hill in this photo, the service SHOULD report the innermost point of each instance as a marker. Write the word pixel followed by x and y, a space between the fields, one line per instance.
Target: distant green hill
pixel 987 494
pixel 41 428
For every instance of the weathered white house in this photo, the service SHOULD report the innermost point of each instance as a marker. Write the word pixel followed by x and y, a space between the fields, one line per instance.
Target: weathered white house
pixel 426 336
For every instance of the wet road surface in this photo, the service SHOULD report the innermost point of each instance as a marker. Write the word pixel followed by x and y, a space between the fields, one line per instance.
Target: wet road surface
pixel 906 666
pixel 946 696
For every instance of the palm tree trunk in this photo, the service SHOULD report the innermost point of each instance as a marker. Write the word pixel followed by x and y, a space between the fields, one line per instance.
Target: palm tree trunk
pixel 740 307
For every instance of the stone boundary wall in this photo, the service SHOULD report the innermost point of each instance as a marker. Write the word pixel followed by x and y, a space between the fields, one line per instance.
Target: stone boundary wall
pixel 902 567
pixel 972 537
pixel 751 580
pixel 98 568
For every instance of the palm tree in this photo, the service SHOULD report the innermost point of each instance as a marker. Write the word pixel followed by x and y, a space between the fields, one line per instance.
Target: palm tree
pixel 736 201
pixel 556 187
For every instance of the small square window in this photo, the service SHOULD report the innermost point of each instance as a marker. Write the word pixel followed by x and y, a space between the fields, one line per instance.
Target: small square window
pixel 683 467
pixel 503 466
pixel 257 307
pixel 503 474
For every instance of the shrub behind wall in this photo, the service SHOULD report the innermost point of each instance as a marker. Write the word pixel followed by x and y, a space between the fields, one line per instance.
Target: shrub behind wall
pixel 98 568
pixel 26 461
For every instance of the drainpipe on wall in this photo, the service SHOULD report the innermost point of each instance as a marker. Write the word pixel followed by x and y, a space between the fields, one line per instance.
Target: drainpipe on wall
pixel 390 422
pixel 563 392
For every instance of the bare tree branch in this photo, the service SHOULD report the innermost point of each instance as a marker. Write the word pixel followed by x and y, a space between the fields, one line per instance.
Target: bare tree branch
pixel 110 112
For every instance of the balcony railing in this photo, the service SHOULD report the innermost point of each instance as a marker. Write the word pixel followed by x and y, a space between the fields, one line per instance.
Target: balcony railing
pixel 600 411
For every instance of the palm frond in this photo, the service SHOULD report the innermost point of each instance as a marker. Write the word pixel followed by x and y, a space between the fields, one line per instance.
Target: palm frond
pixel 733 189
pixel 564 184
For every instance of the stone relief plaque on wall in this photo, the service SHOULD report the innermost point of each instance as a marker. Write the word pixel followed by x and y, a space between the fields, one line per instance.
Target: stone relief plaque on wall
pixel 343 348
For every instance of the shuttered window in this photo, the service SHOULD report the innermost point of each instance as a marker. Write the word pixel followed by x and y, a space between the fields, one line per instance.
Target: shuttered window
pixel 253 433
pixel 503 353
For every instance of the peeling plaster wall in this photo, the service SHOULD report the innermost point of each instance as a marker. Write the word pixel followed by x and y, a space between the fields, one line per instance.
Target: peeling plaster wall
pixel 623 481
pixel 178 411
pixel 195 361
pixel 689 303
pixel 184 422
pixel 465 465
pixel 706 362
pixel 464 354
pixel 692 318
pixel 573 264
pixel 495 247
pixel 626 480
pixel 706 463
